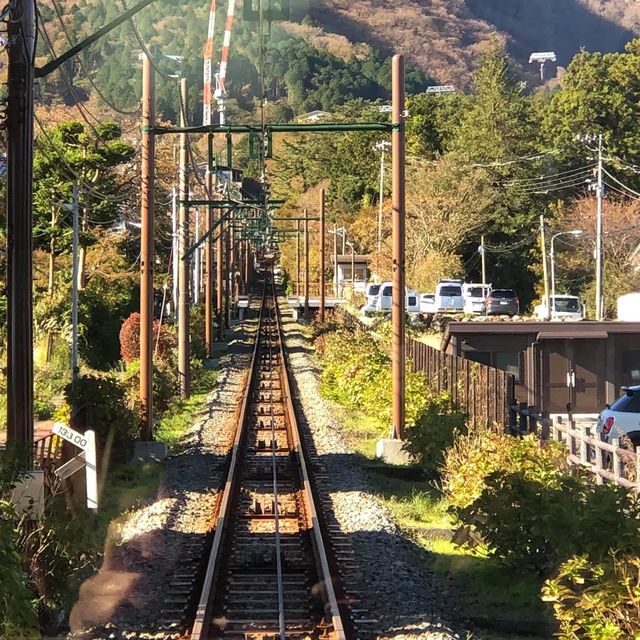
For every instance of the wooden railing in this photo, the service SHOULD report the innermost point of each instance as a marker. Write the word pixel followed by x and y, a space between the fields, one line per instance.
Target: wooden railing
pixel 609 462
pixel 47 455
pixel 484 392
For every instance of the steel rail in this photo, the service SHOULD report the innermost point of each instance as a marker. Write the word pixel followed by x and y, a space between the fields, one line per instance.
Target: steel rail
pixel 199 629
pixel 332 609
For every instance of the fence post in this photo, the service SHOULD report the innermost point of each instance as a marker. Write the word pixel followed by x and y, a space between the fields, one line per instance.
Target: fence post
pixel 599 466
pixel 584 449
pixel 638 470
pixel 617 463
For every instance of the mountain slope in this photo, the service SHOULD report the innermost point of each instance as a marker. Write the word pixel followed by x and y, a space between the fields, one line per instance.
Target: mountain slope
pixel 444 37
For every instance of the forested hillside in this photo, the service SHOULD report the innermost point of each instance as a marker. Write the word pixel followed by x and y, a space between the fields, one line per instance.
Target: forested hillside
pixel 334 50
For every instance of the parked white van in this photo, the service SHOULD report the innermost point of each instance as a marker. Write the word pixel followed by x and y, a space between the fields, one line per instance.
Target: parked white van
pixel 563 307
pixel 449 296
pixel 475 297
pixel 384 301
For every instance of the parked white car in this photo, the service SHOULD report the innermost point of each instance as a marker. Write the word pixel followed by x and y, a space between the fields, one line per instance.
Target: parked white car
pixel 622 417
pixel 563 307
pixel 449 296
pixel 475 297
pixel 427 303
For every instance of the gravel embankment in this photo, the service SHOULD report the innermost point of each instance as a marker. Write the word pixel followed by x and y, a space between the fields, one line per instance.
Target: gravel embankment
pixel 143 553
pixel 394 579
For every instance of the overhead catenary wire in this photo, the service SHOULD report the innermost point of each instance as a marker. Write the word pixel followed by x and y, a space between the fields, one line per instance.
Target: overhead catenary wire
pixel 56 8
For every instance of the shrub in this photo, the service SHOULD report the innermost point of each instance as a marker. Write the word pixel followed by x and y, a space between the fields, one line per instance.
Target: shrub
pixel 538 523
pixel 100 402
pixel 435 430
pixel 130 340
pixel 484 451
pixel 596 601
pixel 18 618
pixel 357 373
pixel 165 385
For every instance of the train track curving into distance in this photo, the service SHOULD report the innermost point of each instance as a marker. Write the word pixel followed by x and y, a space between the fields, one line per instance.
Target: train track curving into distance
pixel 270 574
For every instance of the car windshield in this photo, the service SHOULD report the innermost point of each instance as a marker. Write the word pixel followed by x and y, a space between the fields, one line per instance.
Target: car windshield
pixel 629 403
pixel 503 293
pixel 567 304
pixel 450 291
pixel 374 289
pixel 475 292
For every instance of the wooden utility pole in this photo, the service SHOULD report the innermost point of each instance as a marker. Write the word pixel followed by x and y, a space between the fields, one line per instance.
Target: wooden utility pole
pixel 545 269
pixel 146 249
pixel 184 373
pixel 21 37
pixel 321 260
pixel 220 276
pixel 208 273
pixel 484 263
pixel 306 264
pixel 298 258
pixel 398 234
pixel 247 257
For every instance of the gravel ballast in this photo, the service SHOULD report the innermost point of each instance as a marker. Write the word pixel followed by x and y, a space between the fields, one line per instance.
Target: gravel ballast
pixel 394 580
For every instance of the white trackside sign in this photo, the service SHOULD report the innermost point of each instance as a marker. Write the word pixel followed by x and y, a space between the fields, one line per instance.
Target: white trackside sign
pixel 87 442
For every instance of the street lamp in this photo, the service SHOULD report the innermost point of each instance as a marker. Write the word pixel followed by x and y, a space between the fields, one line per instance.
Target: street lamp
pixel 575 233
pixel 382 146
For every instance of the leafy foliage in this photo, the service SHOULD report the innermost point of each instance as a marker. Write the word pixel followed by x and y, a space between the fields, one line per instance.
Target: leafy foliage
pixel 539 523
pixel 596 601
pixel 440 423
pixel 483 451
pixel 164 339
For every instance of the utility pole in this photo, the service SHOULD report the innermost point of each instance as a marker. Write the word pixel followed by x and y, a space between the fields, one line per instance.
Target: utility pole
pixel 183 247
pixel 208 271
pixel 146 249
pixel 21 37
pixel 599 265
pixel 398 223
pixel 197 261
pixel 306 264
pixel 174 250
pixel 247 257
pixel 75 208
pixel 220 276
pixel 335 260
pixel 382 146
pixel 484 264
pixel 545 270
pixel 298 258
pixel 226 273
pixel 321 259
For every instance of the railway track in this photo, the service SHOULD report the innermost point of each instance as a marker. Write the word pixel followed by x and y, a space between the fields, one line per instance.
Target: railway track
pixel 269 573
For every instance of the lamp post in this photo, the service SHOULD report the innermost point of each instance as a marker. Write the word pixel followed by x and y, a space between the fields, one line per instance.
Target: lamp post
pixel 574 232
pixel 383 146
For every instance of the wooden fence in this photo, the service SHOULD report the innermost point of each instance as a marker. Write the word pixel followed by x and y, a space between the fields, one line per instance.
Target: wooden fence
pixel 484 392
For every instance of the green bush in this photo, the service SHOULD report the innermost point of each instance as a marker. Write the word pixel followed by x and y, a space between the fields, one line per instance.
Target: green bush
pixel 18 619
pixel 435 430
pixel 164 382
pixel 539 522
pixel 596 601
pixel 101 405
pixel 357 374
pixel 483 451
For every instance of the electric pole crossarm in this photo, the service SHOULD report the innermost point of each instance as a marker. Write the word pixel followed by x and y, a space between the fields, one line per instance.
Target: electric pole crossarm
pixel 51 66
pixel 336 127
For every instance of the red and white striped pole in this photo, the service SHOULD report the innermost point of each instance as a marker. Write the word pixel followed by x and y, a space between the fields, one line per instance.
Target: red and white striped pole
pixel 221 92
pixel 208 64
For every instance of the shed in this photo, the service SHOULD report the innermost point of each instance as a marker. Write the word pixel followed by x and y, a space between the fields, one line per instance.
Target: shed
pixel 555 364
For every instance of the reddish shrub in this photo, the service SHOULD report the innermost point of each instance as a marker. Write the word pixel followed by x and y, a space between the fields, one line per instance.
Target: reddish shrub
pixel 130 339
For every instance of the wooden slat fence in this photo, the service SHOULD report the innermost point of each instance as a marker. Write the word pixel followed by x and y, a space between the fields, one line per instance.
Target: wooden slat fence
pixel 484 392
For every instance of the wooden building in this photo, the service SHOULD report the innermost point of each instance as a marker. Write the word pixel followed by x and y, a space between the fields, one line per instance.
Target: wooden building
pixel 555 364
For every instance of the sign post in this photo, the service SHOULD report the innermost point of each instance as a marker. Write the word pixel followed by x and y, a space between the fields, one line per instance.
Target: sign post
pixel 87 459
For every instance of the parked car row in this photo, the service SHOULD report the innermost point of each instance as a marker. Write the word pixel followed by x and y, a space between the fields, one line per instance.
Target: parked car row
pixel 455 296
